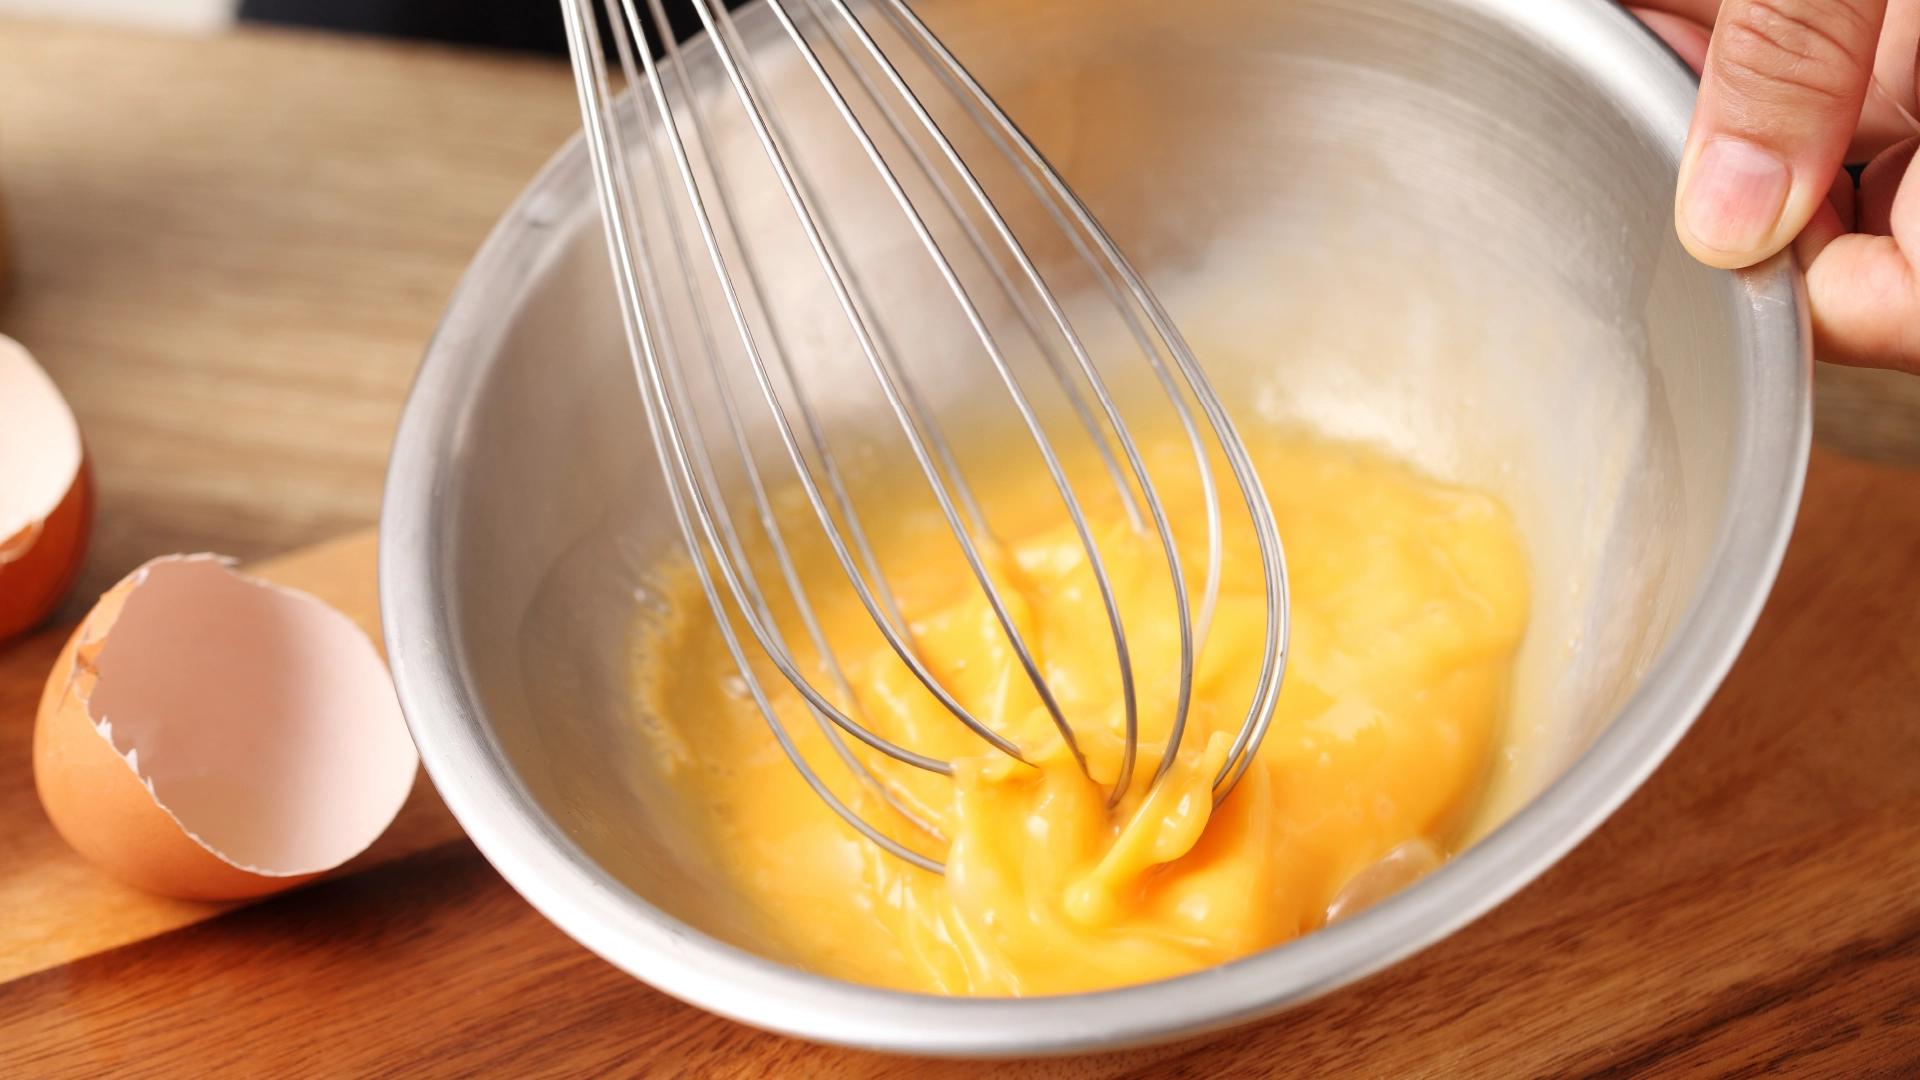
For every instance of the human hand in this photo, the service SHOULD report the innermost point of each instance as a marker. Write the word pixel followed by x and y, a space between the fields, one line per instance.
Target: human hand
pixel 1789 91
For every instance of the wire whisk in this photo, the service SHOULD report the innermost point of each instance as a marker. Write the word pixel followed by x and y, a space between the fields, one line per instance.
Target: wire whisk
pixel 758 266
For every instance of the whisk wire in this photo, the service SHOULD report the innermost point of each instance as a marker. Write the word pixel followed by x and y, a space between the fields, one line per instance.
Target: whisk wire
pixel 618 212
pixel 762 503
pixel 756 362
pixel 978 244
pixel 1266 531
pixel 1163 528
pixel 680 439
pixel 1194 631
pixel 784 169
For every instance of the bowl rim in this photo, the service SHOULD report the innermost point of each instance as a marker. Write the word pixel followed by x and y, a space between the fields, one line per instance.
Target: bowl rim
pixel 443 706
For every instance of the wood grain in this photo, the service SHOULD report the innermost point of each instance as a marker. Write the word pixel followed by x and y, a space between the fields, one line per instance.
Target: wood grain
pixel 55 907
pixel 229 252
pixel 1753 910
pixel 1868 412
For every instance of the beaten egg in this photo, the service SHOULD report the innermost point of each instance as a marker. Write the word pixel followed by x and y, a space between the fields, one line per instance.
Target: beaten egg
pixel 1409 598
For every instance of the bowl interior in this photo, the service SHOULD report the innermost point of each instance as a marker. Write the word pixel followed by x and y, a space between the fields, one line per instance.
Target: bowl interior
pixel 1438 227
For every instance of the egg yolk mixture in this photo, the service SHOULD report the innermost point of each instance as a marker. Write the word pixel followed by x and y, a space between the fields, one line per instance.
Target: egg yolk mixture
pixel 1409 599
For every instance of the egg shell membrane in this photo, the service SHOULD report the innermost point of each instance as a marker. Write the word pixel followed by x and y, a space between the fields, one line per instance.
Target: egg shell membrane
pixel 213 736
pixel 46 493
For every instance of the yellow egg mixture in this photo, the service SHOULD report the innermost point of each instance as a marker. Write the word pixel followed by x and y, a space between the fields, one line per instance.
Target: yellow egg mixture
pixel 1409 598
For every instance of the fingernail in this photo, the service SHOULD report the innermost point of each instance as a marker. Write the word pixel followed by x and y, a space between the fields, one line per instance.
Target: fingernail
pixel 1735 196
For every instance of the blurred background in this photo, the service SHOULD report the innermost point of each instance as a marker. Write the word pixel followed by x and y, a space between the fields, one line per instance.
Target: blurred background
pixel 532 25
pixel 505 24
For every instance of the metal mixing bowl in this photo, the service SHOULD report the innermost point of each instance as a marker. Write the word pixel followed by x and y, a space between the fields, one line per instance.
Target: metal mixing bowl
pixel 1437 226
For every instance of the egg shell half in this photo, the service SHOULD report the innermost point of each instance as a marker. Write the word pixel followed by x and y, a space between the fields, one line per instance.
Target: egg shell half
pixel 211 736
pixel 46 493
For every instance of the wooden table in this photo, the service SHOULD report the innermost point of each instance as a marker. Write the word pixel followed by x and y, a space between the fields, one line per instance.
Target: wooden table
pixel 230 253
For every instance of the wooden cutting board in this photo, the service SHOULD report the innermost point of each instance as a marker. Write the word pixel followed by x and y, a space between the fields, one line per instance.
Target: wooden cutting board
pixel 1754 909
pixel 56 907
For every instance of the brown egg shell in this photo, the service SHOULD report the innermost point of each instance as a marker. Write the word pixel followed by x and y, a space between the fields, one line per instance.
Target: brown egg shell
pixel 102 803
pixel 49 476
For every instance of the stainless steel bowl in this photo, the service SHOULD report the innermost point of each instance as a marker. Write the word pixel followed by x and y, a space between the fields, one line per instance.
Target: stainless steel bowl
pixel 1440 226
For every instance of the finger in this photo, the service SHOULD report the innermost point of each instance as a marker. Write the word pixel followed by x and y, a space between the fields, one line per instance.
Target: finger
pixel 1779 101
pixel 1828 225
pixel 1891 113
pixel 1833 220
pixel 1864 289
pixel 1880 185
pixel 1899 48
pixel 1682 35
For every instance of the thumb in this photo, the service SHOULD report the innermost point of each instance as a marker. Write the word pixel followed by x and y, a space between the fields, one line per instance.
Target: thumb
pixel 1779 100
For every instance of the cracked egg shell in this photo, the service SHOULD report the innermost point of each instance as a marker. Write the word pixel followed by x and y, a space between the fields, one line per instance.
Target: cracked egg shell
pixel 46 493
pixel 208 735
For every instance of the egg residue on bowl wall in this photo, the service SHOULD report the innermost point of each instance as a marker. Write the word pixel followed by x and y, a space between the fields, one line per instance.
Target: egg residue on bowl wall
pixel 209 735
